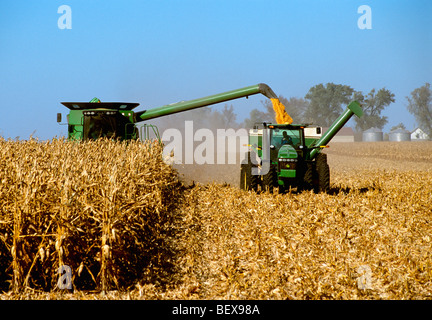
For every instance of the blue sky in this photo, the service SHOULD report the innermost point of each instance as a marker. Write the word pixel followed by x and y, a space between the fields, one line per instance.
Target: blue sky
pixel 157 52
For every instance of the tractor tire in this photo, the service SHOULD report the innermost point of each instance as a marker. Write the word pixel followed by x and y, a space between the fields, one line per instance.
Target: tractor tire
pixel 308 179
pixel 322 174
pixel 270 180
pixel 248 181
pixel 244 179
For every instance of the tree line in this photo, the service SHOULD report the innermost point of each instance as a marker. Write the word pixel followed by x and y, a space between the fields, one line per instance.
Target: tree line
pixel 321 105
pixel 325 102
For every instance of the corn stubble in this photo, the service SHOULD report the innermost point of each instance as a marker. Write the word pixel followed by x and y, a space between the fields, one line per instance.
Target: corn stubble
pixel 120 218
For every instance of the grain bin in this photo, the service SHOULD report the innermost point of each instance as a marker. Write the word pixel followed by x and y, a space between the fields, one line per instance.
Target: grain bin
pixel 400 135
pixel 373 135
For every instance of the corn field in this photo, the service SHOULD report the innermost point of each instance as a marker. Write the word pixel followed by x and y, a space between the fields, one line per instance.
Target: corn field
pixel 101 208
pixel 129 227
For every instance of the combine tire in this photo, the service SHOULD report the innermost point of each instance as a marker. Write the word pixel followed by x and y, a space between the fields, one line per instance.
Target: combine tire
pixel 322 174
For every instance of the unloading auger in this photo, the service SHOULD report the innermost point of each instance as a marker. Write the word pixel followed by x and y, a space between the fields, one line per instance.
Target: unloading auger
pixel 95 119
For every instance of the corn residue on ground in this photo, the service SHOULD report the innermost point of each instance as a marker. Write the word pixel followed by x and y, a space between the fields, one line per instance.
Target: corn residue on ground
pixel 120 218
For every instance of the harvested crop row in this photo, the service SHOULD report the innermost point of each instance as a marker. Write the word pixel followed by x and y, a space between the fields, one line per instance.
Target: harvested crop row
pixel 308 246
pixel 416 151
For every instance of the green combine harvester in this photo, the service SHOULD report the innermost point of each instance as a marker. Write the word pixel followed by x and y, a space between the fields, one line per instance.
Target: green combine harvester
pixel 289 155
pixel 96 119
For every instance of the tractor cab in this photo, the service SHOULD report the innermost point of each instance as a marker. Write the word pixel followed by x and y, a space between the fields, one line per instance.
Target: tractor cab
pixel 283 134
pixel 95 119
pixel 285 140
pixel 299 136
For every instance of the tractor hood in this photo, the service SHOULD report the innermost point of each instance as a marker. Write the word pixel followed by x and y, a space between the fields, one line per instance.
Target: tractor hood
pixel 287 152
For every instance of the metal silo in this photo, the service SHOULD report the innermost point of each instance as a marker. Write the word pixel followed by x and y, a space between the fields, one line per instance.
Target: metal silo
pixel 372 135
pixel 400 135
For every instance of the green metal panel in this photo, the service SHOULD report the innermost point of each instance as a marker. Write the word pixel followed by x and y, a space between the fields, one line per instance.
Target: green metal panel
pixel 95 100
pixel 286 173
pixel 287 152
pixel 128 114
pixel 255 141
pixel 353 108
pixel 310 141
pixel 75 125
pixel 149 132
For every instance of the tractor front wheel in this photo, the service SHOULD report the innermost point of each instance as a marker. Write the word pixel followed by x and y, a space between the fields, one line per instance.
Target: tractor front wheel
pixel 270 180
pixel 248 181
pixel 308 179
pixel 322 181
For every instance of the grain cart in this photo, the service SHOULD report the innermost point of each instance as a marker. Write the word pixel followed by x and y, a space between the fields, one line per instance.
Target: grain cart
pixel 289 155
pixel 94 119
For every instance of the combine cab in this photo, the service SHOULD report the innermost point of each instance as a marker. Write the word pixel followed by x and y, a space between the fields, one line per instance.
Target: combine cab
pixel 92 120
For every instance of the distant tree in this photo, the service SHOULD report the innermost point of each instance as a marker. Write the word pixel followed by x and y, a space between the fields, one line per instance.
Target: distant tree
pixel 420 105
pixel 296 108
pixel 201 118
pixel 257 116
pixel 229 117
pixel 268 112
pixel 226 118
pixel 325 103
pixel 215 120
pixel 398 126
pixel 373 104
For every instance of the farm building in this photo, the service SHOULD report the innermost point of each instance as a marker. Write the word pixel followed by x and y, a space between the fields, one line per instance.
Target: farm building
pixel 345 134
pixel 419 134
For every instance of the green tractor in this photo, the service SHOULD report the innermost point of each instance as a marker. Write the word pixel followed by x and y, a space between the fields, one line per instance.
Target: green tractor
pixel 281 156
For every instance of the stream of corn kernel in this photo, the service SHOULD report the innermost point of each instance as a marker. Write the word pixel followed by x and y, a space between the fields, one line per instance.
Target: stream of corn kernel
pixel 282 117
